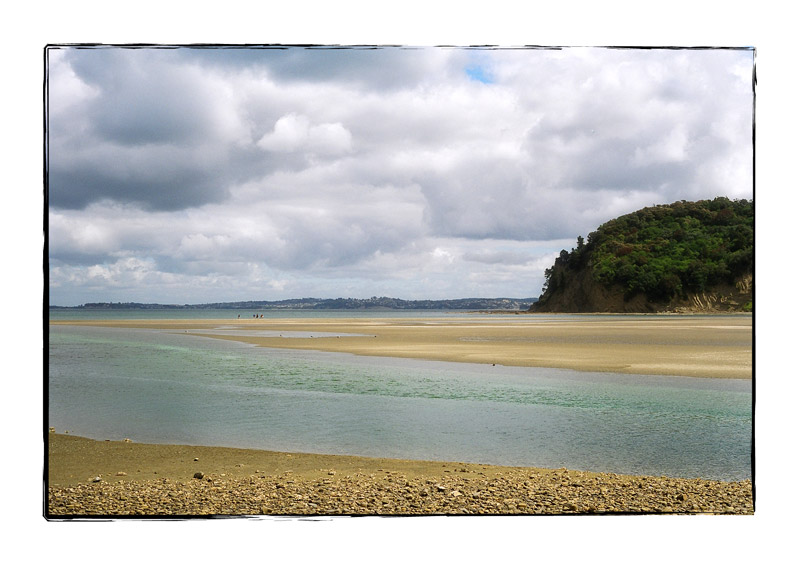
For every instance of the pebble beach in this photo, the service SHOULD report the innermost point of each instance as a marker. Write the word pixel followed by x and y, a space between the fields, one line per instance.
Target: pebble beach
pixel 122 479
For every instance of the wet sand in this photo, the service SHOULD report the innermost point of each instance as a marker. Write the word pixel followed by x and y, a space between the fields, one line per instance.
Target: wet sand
pixel 111 479
pixel 144 462
pixel 708 346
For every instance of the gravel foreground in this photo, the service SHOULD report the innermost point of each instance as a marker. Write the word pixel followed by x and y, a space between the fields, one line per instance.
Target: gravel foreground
pixel 388 493
pixel 318 485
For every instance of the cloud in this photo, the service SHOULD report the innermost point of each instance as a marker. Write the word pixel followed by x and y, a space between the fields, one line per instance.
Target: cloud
pixel 391 171
pixel 294 133
pixel 373 69
pixel 489 257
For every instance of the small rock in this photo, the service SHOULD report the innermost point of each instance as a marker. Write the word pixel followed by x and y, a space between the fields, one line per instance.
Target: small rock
pixel 197 459
pixel 198 475
pixel 97 479
pixel 121 474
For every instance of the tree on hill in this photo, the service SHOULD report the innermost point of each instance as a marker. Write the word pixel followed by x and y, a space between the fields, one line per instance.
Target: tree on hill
pixel 663 252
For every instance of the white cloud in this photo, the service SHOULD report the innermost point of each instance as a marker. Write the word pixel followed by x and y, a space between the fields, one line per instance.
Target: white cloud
pixel 65 88
pixel 294 133
pixel 670 148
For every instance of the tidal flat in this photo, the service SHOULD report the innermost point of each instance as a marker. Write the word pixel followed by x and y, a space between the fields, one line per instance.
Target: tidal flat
pixel 717 346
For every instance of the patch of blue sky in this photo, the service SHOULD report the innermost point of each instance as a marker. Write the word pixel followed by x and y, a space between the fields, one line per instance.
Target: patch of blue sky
pixel 479 73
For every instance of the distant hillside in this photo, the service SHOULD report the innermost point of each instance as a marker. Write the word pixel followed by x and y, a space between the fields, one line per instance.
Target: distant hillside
pixel 682 257
pixel 333 304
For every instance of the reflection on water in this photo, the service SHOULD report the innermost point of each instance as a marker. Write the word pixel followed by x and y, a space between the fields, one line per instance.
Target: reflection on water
pixel 155 386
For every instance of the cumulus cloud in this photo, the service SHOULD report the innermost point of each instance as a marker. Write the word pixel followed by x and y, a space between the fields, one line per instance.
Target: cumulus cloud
pixel 293 133
pixel 252 173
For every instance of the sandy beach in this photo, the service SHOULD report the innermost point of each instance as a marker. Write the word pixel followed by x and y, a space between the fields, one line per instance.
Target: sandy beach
pixel 707 346
pixel 113 479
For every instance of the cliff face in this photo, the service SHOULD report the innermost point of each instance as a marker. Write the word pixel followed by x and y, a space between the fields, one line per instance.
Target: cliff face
pixel 583 295
pixel 685 257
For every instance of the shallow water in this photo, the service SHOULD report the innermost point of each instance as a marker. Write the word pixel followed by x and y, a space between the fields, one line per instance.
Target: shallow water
pixel 157 386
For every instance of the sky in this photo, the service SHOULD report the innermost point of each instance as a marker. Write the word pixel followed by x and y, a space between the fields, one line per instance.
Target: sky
pixel 191 175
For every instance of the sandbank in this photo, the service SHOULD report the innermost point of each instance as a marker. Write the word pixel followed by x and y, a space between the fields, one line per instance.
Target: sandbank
pixel 717 346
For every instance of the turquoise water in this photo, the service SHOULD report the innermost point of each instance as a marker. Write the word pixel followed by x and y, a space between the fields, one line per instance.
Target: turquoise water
pixel 157 386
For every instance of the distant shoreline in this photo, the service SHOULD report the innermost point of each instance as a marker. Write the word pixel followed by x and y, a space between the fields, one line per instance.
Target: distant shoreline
pixel 324 304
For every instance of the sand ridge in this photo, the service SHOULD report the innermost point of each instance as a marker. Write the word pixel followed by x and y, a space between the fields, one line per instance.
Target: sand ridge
pixel 708 346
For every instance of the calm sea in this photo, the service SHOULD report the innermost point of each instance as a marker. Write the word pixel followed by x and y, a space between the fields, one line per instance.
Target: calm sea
pixel 172 387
